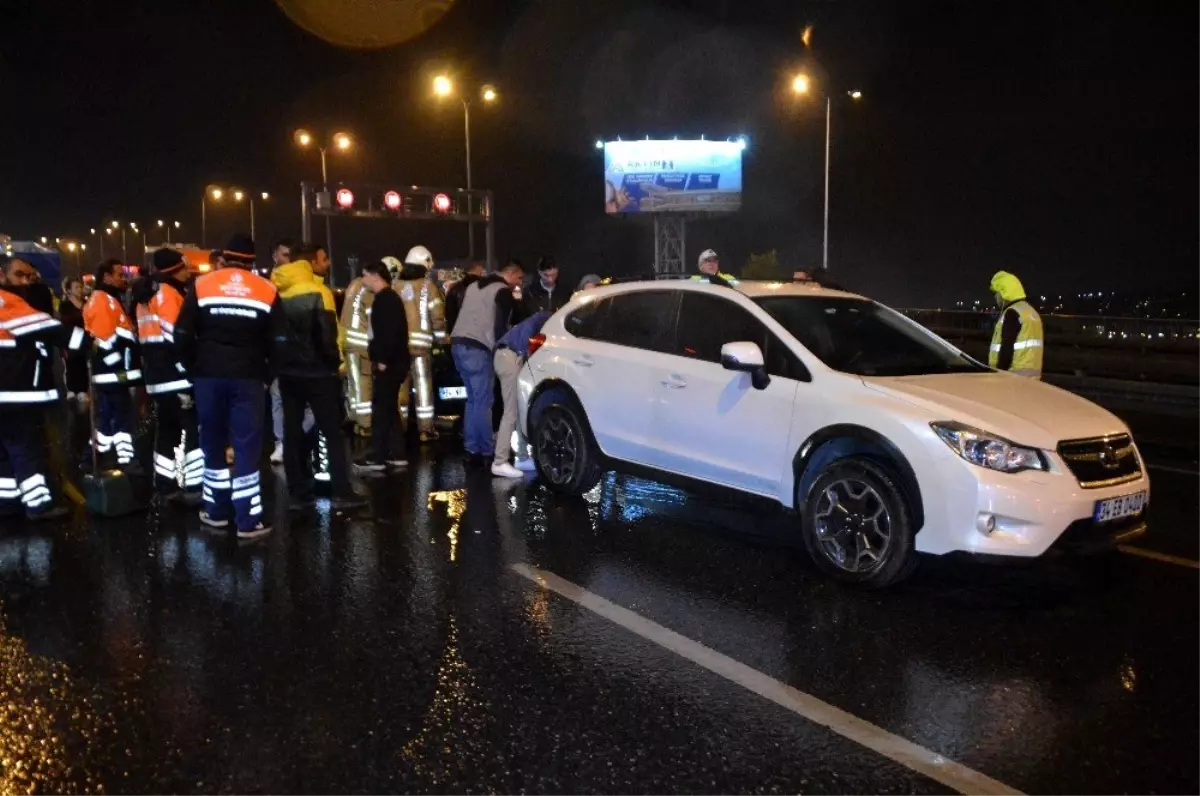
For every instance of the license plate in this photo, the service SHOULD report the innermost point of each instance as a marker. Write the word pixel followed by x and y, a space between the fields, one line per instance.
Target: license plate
pixel 452 393
pixel 1118 507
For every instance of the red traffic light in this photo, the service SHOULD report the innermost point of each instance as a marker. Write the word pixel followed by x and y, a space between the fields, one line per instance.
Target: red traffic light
pixel 441 203
pixel 391 200
pixel 345 198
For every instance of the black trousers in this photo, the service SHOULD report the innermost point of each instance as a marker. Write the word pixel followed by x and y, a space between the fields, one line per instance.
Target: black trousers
pixel 176 427
pixel 324 396
pixel 387 437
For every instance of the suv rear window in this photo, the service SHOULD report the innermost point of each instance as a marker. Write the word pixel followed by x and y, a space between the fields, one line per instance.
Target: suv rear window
pixel 588 320
pixel 638 320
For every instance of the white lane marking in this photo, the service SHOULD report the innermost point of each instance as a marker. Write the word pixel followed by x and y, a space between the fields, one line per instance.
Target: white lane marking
pixel 1155 556
pixel 905 752
pixel 1176 470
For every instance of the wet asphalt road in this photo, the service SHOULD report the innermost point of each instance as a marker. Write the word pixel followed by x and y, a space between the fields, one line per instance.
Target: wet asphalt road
pixel 397 650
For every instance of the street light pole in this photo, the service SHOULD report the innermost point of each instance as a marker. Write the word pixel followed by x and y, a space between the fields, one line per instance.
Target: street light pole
pixel 204 219
pixel 328 225
pixel 825 234
pixel 470 225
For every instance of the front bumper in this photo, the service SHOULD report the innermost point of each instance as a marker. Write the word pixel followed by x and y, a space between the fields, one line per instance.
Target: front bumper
pixel 1028 512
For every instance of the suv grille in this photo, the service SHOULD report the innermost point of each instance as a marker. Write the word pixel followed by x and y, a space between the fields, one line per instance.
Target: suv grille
pixel 1101 461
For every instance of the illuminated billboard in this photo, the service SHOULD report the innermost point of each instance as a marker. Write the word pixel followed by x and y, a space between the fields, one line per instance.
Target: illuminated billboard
pixel 672 176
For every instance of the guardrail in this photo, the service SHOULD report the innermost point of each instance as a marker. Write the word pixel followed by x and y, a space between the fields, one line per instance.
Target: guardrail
pixel 1134 349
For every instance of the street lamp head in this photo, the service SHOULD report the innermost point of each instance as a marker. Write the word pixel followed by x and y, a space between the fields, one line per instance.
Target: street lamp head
pixel 116 224
pixel 800 84
pixel 343 141
pixel 71 246
pixel 265 196
pixel 43 239
pixel 177 225
pixel 93 230
pixel 442 86
pixel 83 246
pixel 238 195
pixel 160 223
pixel 489 93
pixel 109 230
pixel 302 138
pixel 133 226
pixel 216 194
pixel 856 94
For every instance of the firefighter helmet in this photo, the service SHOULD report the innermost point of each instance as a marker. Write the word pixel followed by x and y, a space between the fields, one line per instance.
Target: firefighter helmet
pixel 393 265
pixel 419 255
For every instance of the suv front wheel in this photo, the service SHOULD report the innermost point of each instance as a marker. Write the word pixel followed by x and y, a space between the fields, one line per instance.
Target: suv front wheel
pixel 857 525
pixel 567 456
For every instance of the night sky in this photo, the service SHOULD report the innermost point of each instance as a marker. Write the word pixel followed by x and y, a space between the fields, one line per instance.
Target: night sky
pixel 1057 140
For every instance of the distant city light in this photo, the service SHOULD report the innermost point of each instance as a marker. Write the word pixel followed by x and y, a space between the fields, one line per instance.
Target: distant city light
pixel 742 142
pixel 599 144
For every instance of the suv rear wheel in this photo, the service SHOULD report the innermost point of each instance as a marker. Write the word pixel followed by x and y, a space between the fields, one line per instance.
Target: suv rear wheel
pixel 857 525
pixel 567 456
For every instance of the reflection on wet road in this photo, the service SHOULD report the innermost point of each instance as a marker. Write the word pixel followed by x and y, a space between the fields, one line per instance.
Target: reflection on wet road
pixel 398 650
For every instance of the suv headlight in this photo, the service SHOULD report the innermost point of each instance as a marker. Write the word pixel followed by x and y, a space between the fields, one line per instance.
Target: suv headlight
pixel 988 450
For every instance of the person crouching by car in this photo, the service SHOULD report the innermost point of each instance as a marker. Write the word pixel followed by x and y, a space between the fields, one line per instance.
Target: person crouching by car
pixel 387 347
pixel 511 353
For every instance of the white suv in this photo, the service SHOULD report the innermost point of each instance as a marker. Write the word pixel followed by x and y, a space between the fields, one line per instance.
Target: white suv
pixel 883 437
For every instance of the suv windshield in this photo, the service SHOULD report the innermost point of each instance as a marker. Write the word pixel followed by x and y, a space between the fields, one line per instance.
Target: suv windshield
pixel 864 338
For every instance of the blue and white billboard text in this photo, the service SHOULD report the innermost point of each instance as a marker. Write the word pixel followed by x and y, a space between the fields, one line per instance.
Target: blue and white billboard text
pixel 672 176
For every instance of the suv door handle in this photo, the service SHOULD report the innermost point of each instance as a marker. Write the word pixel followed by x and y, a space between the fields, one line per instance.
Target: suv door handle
pixel 675 382
pixel 584 361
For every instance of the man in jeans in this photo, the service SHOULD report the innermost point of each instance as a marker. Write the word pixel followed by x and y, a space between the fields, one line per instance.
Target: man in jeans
pixel 387 347
pixel 511 353
pixel 485 316
pixel 308 376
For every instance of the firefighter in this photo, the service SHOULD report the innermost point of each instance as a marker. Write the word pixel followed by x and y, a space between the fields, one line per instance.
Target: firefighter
pixel 1017 341
pixel 228 333
pixel 25 336
pixel 178 458
pixel 425 307
pixel 114 362
pixel 354 323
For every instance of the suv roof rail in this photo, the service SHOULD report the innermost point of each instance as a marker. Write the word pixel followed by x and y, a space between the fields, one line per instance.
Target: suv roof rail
pixel 656 277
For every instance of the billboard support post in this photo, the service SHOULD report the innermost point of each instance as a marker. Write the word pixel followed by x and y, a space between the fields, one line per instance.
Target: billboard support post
pixel 670 243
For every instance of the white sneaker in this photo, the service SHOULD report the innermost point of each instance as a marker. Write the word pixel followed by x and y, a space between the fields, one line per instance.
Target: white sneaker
pixel 506 470
pixel 526 465
pixel 277 454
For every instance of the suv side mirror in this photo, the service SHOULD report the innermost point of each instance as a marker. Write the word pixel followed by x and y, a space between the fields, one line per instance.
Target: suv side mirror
pixel 746 357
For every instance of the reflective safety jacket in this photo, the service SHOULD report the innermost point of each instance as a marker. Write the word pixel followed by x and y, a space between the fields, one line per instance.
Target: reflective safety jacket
pixel 356 317
pixel 1027 346
pixel 230 326
pixel 1018 339
pixel 26 335
pixel 156 319
pixel 114 356
pixel 424 306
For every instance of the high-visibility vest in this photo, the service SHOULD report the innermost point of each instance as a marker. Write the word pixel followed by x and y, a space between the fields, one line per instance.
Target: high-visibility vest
pixel 1027 351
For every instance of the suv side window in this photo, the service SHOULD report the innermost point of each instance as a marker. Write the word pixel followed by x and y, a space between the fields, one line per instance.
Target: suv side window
pixel 642 320
pixel 588 320
pixel 708 322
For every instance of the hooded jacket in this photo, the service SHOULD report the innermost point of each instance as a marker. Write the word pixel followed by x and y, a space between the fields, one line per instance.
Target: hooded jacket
pixel 158 301
pixel 312 349
pixel 1017 339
